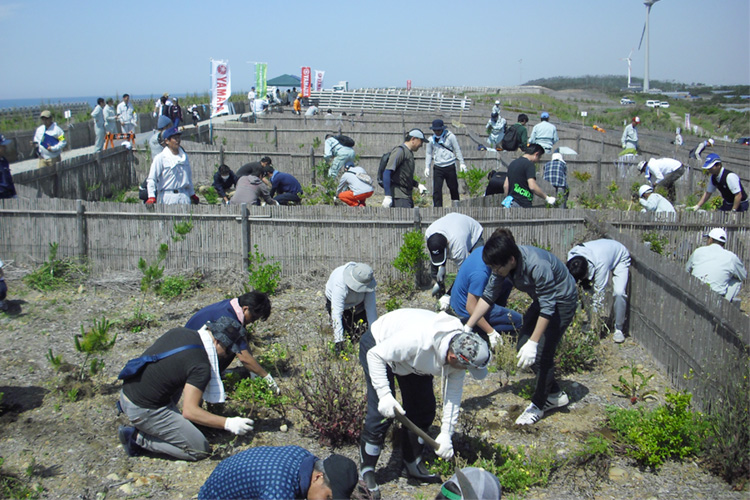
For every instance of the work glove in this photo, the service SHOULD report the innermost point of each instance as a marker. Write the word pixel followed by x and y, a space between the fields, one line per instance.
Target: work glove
pixel 694 208
pixel 446 446
pixel 427 171
pixel 462 168
pixel 238 425
pixel 194 199
pixel 527 354
pixel 445 302
pixel 468 329
pixel 422 189
pixel 387 202
pixel 150 201
pixel 387 406
pixel 494 338
pixel 550 200
pixel 272 383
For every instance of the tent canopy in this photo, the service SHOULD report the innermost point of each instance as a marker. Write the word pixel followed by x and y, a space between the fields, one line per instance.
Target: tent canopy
pixel 284 81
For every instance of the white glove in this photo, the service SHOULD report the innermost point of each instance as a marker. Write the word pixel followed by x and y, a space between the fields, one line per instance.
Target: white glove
pixel 462 167
pixel 694 208
pixel 427 171
pixel 527 354
pixel 272 383
pixel 446 446
pixel 387 202
pixel 238 425
pixel 495 338
pixel 422 189
pixel 388 405
pixel 445 302
pixel 468 329
pixel 550 200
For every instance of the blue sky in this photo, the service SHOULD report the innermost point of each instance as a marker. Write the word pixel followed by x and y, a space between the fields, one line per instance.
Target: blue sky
pixel 79 48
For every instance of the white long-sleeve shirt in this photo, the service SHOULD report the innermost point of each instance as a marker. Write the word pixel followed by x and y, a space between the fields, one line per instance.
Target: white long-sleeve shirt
pixel 170 172
pixel 629 138
pixel 415 341
pixel 544 134
pixel 125 113
pixel 716 266
pixel 53 151
pixel 656 203
pixel 443 150
pixel 603 256
pixel 657 168
pixel 110 125
pixel 350 182
pixel 462 233
pixel 342 297
pixel 98 116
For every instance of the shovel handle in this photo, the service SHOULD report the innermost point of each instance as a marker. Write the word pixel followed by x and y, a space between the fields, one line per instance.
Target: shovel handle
pixel 416 430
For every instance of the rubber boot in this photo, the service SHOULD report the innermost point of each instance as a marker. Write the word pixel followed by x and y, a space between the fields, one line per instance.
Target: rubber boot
pixel 412 447
pixel 368 459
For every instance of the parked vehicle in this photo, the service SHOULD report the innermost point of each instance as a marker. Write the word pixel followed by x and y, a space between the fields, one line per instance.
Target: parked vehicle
pixel 625 101
pixel 653 104
pixel 664 104
pixel 744 141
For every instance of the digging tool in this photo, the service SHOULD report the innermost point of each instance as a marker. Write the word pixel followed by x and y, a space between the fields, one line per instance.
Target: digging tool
pixel 416 430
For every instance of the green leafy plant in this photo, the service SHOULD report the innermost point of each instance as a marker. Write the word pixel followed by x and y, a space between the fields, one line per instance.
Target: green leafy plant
pixel 275 359
pixel 175 286
pixel 656 242
pixel 92 343
pixel 411 255
pixel 577 350
pixel 182 229
pixel 55 361
pixel 671 430
pixel 526 389
pixel 476 181
pixel 252 393
pixel 14 487
pixel 316 143
pixel 595 454
pixel 582 176
pixel 264 274
pixel 633 387
pixel 211 196
pixel 72 394
pixel 152 274
pixel 392 304
pixel 54 273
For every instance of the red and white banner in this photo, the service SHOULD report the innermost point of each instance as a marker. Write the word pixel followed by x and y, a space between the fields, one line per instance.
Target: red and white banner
pixel 319 79
pixel 221 87
pixel 408 84
pixel 305 83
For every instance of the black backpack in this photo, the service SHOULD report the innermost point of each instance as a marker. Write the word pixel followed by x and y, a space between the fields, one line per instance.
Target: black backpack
pixel 384 163
pixel 511 141
pixel 345 140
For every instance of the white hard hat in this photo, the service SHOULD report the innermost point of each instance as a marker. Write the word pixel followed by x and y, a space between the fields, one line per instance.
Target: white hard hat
pixel 644 189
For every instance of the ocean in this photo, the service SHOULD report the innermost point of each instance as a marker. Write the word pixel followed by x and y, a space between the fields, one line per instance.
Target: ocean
pixel 91 100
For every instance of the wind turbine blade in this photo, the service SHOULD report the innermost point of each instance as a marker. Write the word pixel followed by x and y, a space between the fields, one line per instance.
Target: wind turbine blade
pixel 642 34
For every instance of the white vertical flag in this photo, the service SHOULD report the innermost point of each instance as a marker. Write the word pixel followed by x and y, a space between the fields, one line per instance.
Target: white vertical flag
pixel 221 87
pixel 319 79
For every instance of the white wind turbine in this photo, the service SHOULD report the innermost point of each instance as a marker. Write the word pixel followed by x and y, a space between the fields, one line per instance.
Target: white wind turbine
pixel 648 4
pixel 629 60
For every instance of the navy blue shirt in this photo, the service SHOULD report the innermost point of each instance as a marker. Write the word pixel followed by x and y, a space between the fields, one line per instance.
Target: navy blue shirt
pixel 7 188
pixel 213 313
pixel 284 183
pixel 264 472
pixel 221 185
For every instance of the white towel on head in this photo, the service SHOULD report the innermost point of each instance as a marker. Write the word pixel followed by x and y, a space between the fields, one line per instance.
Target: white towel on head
pixel 214 392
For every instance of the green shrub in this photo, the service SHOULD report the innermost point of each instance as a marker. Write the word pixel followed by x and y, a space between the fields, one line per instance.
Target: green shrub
pixel 392 304
pixel 251 393
pixel 211 196
pixel 182 229
pixel 92 343
pixel 275 359
pixel 656 242
pixel 577 350
pixel 13 487
pixel 669 431
pixel 476 181
pixel 55 273
pixel 411 255
pixel 175 286
pixel 264 274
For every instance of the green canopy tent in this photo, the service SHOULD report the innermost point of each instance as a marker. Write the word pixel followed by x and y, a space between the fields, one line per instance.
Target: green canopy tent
pixel 284 81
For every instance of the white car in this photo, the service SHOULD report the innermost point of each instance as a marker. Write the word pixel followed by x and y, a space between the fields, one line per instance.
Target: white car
pixel 625 101
pixel 653 104
pixel 664 104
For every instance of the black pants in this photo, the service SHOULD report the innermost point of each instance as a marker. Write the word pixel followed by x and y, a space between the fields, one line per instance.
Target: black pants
pixel 287 198
pixel 451 179
pixel 402 203
pixel 668 182
pixel 416 392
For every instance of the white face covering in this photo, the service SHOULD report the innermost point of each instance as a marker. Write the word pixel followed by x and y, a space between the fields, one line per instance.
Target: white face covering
pixel 225 177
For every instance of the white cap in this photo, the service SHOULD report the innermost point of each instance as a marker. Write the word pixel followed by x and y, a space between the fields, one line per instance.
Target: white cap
pixel 717 234
pixel 711 142
pixel 497 102
pixel 557 156
pixel 644 189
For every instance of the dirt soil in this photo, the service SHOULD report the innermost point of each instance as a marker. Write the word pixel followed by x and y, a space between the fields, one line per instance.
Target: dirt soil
pixel 72 450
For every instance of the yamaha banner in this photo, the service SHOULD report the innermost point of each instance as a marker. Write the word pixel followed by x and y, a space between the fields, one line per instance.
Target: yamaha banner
pixel 305 90
pixel 319 79
pixel 221 87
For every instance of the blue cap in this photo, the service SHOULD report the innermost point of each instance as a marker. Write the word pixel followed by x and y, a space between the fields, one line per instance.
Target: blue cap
pixel 170 132
pixel 163 122
pixel 545 114
pixel 711 160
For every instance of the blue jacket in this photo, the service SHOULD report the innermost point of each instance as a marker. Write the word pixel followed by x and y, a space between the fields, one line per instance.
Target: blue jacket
pixel 264 472
pixel 212 313
pixel 284 183
pixel 7 188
